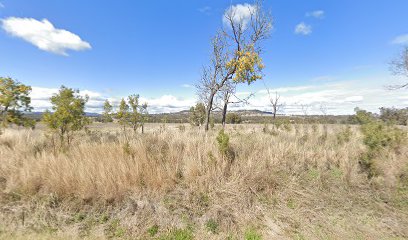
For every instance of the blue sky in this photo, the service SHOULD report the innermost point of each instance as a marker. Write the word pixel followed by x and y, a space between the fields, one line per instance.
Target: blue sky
pixel 332 53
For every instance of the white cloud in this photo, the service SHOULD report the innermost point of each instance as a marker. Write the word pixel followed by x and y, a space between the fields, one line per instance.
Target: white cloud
pixel 241 13
pixel 354 99
pixel 168 103
pixel 44 35
pixel 303 28
pixel 316 14
pixel 40 100
pixel 340 97
pixel 325 78
pixel 402 39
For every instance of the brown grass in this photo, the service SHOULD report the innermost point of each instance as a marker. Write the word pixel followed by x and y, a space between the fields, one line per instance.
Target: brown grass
pixel 284 184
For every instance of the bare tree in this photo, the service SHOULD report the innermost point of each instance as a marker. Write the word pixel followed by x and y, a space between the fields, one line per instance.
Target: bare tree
pixel 399 67
pixel 305 109
pixel 323 109
pixel 235 54
pixel 275 102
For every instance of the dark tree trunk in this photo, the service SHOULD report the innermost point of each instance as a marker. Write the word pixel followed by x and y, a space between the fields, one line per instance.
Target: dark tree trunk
pixel 208 113
pixel 224 114
pixel 274 112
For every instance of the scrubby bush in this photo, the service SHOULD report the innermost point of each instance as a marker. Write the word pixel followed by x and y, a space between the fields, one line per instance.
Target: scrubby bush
pixel 182 128
pixel 282 124
pixel 212 226
pixel 362 117
pixel 197 114
pixel 377 137
pixel 344 136
pixel 223 142
pixel 233 118
pixel 252 234
pixel 212 123
pixel 153 230
pixel 394 115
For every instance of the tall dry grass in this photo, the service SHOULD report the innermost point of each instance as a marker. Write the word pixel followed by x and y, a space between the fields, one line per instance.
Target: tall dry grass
pixel 298 182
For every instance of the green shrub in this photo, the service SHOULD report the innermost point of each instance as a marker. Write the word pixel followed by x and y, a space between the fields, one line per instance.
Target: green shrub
pixel 252 234
pixel 378 136
pixel 282 124
pixel 344 136
pixel 114 230
pixel 233 118
pixel 223 142
pixel 212 226
pixel 362 117
pixel 212 123
pixel 182 128
pixel 197 114
pixel 153 230
pixel 178 234
pixel 269 131
pixel 394 115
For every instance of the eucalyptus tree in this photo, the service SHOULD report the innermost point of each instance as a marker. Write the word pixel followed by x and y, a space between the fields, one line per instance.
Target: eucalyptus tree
pixel 107 112
pixel 68 113
pixel 14 100
pixel 123 114
pixel 236 52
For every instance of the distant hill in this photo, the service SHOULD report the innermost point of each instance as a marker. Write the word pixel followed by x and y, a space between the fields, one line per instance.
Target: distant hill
pixel 248 116
pixel 38 115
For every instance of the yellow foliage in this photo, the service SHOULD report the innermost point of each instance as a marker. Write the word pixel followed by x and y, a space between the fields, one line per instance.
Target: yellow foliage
pixel 248 65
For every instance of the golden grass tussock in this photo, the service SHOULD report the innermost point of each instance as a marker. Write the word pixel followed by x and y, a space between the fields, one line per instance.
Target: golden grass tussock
pixel 300 182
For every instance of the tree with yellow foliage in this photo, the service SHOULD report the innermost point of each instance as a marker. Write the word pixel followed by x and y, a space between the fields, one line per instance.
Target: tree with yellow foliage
pixel 235 52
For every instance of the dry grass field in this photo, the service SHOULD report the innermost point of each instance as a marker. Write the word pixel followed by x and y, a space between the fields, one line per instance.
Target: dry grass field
pixel 172 182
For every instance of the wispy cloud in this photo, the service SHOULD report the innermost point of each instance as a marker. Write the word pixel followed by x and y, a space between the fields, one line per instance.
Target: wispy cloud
pixel 324 78
pixel 303 29
pixel 187 86
pixel 316 14
pixel 205 10
pixel 402 39
pixel 287 89
pixel 44 35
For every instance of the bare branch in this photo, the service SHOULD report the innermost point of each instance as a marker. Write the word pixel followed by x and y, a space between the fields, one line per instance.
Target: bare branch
pixel 399 67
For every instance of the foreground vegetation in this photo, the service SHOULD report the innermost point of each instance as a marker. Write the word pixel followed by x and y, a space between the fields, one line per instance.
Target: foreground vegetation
pixel 172 182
